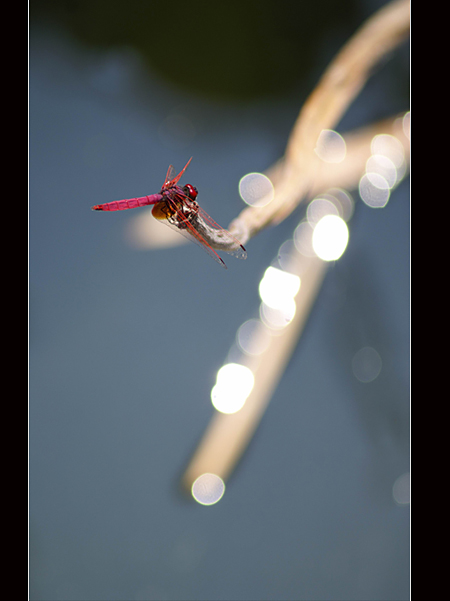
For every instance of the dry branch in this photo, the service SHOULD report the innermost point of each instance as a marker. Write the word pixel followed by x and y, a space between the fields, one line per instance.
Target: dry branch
pixel 297 174
pixel 338 87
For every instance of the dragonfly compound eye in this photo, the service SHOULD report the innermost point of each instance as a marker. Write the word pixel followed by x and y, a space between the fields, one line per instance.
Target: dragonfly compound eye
pixel 190 191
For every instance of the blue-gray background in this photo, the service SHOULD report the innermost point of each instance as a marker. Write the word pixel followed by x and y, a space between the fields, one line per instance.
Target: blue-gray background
pixel 125 344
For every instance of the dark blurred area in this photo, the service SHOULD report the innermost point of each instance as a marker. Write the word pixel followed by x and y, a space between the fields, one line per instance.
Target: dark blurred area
pixel 232 50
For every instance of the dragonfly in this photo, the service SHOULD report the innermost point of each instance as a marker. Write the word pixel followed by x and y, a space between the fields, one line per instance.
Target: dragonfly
pixel 178 208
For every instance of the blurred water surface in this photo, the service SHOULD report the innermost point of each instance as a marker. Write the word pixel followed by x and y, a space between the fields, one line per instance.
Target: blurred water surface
pixel 125 346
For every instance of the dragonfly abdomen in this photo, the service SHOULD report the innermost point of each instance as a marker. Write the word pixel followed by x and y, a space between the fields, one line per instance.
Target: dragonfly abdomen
pixel 129 203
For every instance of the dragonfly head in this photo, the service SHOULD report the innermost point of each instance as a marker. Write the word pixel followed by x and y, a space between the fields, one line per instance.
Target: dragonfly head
pixel 190 191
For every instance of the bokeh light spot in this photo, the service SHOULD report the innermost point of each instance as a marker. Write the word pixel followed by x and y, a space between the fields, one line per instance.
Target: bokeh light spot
pixel 278 287
pixel 303 239
pixel 374 190
pixel 319 208
pixel 366 364
pixel 256 189
pixel 277 319
pixel 208 489
pixel 253 337
pixel 330 238
pixel 330 146
pixel 233 385
pixel 381 164
pixel 401 491
pixel 390 147
pixel 343 201
pixel 407 125
pixel 176 131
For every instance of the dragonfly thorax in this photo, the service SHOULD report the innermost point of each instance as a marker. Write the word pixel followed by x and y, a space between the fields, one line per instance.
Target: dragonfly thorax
pixel 187 211
pixel 178 206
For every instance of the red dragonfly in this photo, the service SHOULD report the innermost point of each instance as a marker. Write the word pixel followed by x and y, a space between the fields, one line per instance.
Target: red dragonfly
pixel 178 208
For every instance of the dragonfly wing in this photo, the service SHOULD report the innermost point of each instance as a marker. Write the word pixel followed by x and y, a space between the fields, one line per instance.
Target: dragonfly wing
pixel 190 234
pixel 218 237
pixel 171 178
pixel 168 213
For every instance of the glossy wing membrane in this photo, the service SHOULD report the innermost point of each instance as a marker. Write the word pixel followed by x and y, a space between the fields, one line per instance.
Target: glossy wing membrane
pixel 227 242
pixel 171 180
pixel 170 174
pixel 193 236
